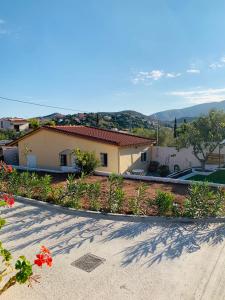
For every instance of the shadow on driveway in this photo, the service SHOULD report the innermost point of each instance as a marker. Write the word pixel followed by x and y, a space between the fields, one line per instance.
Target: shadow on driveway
pixel 149 242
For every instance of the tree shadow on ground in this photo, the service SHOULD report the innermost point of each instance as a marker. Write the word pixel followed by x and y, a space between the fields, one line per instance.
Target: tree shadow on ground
pixel 166 240
pixel 64 232
pixel 150 242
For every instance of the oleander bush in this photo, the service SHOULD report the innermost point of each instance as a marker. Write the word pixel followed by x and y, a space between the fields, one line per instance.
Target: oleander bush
pixel 93 194
pixel 164 202
pixel 116 194
pixel 74 191
pixel 204 201
pixel 135 203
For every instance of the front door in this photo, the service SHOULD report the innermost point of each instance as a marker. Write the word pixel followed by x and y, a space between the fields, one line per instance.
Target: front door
pixel 31 161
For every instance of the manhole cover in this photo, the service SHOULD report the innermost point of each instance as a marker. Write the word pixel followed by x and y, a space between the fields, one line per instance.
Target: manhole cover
pixel 88 262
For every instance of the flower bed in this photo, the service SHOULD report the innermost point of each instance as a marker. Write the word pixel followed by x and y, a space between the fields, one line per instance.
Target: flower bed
pixel 114 194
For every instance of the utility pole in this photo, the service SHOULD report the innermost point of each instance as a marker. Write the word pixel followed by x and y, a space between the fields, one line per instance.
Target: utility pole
pixel 97 120
pixel 175 128
pixel 157 133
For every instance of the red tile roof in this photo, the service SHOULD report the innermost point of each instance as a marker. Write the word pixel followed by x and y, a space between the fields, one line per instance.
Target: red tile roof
pixel 15 120
pixel 102 135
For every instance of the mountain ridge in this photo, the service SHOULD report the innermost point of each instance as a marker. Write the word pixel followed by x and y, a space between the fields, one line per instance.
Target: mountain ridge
pixel 188 112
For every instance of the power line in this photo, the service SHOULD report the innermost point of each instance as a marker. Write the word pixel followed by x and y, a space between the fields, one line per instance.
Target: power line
pixel 42 105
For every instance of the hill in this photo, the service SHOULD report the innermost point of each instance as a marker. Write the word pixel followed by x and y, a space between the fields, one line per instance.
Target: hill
pixel 188 112
pixel 122 120
pixel 54 116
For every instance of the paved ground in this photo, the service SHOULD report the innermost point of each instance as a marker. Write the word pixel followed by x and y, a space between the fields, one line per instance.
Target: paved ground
pixel 144 260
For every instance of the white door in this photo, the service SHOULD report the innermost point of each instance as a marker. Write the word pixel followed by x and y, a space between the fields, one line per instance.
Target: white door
pixel 31 161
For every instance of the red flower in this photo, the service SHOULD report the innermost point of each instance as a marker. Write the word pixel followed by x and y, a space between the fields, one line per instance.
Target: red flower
pixel 43 257
pixel 49 261
pixel 10 169
pixel 9 200
pixel 45 250
pixel 40 260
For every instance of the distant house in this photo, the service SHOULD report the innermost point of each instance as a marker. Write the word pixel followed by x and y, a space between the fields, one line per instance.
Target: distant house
pixel 52 148
pixel 16 124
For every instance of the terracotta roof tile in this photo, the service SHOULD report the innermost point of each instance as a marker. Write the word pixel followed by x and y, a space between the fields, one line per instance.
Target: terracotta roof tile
pixel 107 136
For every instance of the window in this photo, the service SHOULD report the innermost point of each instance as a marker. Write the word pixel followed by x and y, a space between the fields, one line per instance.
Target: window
pixel 144 156
pixel 1 124
pixel 17 128
pixel 104 159
pixel 63 160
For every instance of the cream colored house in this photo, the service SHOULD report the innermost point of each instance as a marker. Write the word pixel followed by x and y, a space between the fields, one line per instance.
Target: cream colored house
pixel 52 148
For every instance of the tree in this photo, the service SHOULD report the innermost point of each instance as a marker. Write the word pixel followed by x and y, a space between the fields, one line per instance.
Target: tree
pixel 165 135
pixel 34 123
pixel 49 123
pixel 204 135
pixel 86 161
pixel 175 128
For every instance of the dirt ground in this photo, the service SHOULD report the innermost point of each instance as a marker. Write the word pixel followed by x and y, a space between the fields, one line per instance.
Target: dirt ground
pixel 129 186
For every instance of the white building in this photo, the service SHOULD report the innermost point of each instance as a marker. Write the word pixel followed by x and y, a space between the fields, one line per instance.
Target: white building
pixel 16 124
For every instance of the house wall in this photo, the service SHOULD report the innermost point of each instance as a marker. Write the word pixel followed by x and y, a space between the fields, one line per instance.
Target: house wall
pixel 24 126
pixel 5 124
pixel 46 146
pixel 184 157
pixel 170 156
pixel 8 125
pixel 130 158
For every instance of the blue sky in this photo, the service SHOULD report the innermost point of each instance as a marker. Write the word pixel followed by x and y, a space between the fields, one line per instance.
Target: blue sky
pixel 104 55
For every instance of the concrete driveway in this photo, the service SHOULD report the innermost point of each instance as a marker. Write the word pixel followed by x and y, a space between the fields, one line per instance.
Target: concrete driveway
pixel 149 259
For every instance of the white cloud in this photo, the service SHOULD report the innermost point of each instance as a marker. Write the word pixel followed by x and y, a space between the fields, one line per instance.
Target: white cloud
pixel 154 75
pixel 193 71
pixel 218 64
pixel 173 75
pixel 201 96
pixel 3 30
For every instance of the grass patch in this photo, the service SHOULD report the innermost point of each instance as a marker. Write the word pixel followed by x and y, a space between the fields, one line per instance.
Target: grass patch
pixel 216 177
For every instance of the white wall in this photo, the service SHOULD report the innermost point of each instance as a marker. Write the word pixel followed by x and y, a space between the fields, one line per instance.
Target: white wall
pixel 8 125
pixel 170 156
pixel 184 158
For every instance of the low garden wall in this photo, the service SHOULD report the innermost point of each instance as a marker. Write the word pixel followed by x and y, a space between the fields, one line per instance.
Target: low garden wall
pixel 160 179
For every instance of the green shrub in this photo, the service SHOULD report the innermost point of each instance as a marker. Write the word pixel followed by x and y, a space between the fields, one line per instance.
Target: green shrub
pixel 135 203
pixel 93 193
pixel 86 161
pixel 153 166
pixel 164 202
pixel 13 183
pixel 74 191
pixel 44 187
pixel 57 195
pixel 163 170
pixel 116 194
pixel 29 184
pixel 203 201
